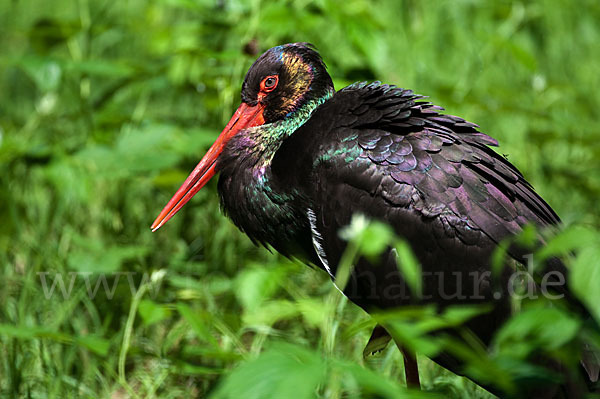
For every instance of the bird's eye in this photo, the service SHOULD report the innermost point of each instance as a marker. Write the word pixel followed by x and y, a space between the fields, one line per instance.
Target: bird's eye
pixel 269 83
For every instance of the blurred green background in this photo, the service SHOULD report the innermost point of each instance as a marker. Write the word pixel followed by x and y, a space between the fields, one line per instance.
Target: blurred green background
pixel 106 106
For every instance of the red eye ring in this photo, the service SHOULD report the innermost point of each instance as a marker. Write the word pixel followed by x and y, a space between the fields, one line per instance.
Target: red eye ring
pixel 269 83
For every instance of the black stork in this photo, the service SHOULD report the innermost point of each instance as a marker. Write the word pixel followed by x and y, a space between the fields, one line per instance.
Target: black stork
pixel 297 160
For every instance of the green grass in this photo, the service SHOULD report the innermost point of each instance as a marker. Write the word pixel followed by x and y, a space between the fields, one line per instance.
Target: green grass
pixel 105 108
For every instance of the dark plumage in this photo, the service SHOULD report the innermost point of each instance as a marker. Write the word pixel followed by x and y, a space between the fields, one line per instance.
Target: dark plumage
pixel 311 158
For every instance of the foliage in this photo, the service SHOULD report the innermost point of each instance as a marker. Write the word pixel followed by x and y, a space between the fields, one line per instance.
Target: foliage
pixel 105 108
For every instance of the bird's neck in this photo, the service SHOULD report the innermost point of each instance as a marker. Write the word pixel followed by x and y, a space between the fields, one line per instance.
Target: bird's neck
pixel 252 150
pixel 257 202
pixel 262 142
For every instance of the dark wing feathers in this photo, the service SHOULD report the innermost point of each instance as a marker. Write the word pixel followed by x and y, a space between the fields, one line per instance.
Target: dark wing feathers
pixel 395 146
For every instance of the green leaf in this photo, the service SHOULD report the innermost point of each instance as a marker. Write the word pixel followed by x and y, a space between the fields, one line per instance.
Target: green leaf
pixel 31 332
pixel 573 238
pixel 375 239
pixel 152 312
pixel 284 371
pixel 192 369
pixel 528 236
pixel 314 311
pixel 585 279
pixel 197 323
pixel 256 284
pixel 528 331
pixel 271 312
pixel 98 345
pixel 409 266
pixel 45 73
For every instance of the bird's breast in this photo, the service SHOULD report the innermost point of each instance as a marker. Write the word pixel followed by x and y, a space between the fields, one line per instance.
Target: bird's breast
pixel 266 212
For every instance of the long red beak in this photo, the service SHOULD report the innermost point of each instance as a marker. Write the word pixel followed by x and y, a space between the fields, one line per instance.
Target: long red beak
pixel 246 116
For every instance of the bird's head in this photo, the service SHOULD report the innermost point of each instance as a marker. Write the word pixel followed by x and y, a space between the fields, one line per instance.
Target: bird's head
pixel 280 82
pixel 285 78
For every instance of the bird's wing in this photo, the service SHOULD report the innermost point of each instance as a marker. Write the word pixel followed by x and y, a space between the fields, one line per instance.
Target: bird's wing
pixel 382 151
pixel 403 151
